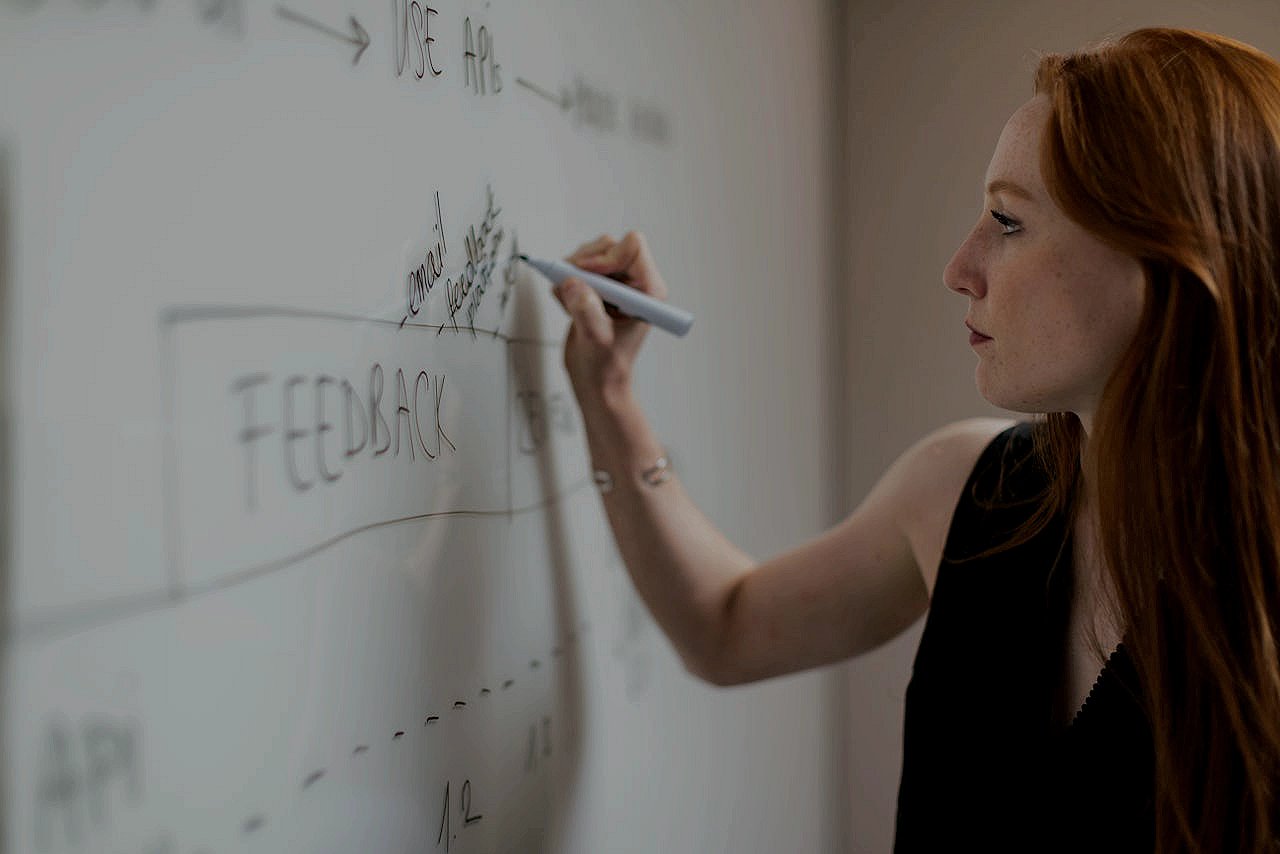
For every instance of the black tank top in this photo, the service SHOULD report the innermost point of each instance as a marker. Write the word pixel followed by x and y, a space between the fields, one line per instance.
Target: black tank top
pixel 986 764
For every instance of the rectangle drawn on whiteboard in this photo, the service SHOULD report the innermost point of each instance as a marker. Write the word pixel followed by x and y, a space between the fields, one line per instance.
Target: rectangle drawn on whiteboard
pixel 290 430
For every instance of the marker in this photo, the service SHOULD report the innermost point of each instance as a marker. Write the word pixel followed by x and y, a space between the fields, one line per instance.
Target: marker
pixel 628 300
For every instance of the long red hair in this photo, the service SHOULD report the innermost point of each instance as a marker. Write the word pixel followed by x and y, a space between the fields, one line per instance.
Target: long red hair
pixel 1165 144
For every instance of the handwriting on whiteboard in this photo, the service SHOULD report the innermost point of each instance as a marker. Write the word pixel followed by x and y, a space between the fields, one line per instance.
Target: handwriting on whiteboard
pixel 314 405
pixel 422 279
pixel 412 39
pixel 89 786
pixel 482 242
pixel 226 17
pixel 465 290
pixel 419 53
pixel 291 429
pixel 86 774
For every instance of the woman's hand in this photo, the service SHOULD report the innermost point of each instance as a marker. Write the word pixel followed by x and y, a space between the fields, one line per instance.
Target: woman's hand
pixel 601 347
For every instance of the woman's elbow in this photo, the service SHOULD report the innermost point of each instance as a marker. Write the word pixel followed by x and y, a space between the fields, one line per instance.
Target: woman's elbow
pixel 713 669
pixel 710 675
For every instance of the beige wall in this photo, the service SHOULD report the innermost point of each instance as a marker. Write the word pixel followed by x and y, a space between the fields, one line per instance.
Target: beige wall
pixel 930 85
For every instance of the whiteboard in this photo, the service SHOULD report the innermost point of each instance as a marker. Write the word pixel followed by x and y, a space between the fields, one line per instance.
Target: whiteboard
pixel 302 552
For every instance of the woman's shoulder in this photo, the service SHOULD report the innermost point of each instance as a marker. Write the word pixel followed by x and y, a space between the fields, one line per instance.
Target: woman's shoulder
pixel 958 440
pixel 941 462
pixel 937 469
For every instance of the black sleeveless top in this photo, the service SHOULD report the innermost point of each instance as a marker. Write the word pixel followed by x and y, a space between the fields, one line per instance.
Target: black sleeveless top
pixel 986 766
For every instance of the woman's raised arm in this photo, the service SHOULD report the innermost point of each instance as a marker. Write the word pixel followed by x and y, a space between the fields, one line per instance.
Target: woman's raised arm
pixel 732 619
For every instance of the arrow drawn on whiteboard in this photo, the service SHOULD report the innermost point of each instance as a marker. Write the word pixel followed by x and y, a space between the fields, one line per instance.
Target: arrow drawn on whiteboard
pixel 358 36
pixel 564 100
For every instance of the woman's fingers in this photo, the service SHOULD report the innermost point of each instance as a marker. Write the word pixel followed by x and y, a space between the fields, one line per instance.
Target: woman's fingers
pixel 632 254
pixel 628 260
pixel 591 248
pixel 602 343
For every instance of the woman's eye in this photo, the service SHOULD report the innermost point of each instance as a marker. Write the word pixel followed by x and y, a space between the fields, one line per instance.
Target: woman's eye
pixel 1009 225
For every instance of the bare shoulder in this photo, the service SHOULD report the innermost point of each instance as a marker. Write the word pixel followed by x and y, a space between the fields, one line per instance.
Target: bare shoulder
pixel 931 475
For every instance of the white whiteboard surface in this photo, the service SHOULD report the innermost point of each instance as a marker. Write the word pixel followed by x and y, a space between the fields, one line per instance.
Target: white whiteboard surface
pixel 302 554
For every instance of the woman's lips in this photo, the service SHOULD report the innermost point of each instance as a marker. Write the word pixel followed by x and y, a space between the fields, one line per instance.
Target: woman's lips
pixel 976 337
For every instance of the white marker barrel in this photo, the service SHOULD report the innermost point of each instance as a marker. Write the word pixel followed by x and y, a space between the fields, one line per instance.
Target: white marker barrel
pixel 628 300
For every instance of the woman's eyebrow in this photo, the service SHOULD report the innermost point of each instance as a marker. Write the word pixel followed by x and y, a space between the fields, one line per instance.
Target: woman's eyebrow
pixel 1010 187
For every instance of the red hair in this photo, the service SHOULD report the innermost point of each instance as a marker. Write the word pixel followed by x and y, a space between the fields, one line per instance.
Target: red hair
pixel 1165 144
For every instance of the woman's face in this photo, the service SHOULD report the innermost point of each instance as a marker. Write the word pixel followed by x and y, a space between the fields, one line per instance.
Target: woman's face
pixel 1059 305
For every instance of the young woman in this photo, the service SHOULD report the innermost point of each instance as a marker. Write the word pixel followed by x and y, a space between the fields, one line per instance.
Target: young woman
pixel 1100 663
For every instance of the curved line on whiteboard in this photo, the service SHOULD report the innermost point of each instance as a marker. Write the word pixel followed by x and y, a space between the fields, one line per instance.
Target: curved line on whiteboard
pixel 103 613
pixel 173 315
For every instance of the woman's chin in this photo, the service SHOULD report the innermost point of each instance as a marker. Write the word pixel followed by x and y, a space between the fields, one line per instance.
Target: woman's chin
pixel 1013 400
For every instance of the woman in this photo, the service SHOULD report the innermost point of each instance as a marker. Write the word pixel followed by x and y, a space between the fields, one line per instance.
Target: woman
pixel 1110 568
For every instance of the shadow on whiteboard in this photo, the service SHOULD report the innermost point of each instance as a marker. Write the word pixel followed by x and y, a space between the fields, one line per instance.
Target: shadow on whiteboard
pixel 531 309
pixel 7 408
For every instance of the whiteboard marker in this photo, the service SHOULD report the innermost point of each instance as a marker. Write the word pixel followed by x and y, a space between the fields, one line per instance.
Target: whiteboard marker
pixel 627 300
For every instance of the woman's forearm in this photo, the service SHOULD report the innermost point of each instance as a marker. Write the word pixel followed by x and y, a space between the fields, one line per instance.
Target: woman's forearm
pixel 683 568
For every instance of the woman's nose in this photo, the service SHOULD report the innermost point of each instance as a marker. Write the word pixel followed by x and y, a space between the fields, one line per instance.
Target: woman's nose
pixel 962 273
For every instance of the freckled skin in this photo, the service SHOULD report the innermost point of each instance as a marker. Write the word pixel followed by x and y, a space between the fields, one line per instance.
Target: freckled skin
pixel 1059 304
